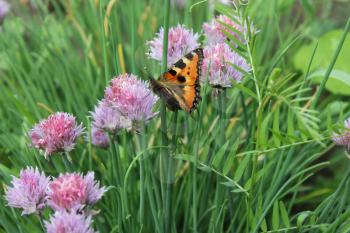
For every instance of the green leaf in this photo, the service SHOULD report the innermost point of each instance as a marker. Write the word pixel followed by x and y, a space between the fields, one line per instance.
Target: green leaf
pixel 338 82
pixel 275 216
pixel 284 214
pixel 302 217
pixel 241 168
pixel 326 48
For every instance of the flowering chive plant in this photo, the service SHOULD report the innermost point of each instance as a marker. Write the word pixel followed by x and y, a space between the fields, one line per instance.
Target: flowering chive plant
pixel 127 103
pixel 217 64
pixel 180 41
pixel 343 139
pixel 58 132
pixel 28 192
pixel 65 222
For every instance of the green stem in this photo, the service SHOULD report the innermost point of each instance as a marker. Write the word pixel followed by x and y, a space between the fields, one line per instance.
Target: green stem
pixel 142 175
pixel 40 217
pixel 330 67
pixel 163 107
pixel 170 178
pixel 67 162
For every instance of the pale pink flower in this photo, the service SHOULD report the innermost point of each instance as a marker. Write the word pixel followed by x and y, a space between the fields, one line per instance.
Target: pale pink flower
pixel 65 222
pixel 99 137
pixel 72 191
pixel 217 64
pixel 4 9
pixel 132 98
pixel 28 192
pixel 58 132
pixel 108 117
pixel 214 31
pixel 343 139
pixel 180 42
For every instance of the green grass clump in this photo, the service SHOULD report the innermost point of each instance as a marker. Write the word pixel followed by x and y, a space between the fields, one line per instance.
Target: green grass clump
pixel 256 158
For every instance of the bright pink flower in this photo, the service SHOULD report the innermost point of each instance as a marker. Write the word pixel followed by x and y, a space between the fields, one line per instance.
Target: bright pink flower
pixel 343 139
pixel 217 64
pixel 28 192
pixel 64 222
pixel 72 191
pixel 180 42
pixel 132 98
pixel 58 132
pixel 214 31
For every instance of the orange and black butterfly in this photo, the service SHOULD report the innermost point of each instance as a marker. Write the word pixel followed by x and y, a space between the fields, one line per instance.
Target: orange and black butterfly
pixel 179 87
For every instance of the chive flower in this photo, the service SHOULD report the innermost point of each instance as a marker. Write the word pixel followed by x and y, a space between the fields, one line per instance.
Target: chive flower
pixel 4 9
pixel 214 31
pixel 57 133
pixel 343 139
pixel 133 99
pixel 28 192
pixel 65 222
pixel 180 42
pixel 218 64
pixel 99 137
pixel 73 191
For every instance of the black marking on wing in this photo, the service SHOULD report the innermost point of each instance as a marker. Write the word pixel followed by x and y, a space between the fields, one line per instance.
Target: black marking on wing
pixel 172 72
pixel 181 79
pixel 180 64
pixel 189 56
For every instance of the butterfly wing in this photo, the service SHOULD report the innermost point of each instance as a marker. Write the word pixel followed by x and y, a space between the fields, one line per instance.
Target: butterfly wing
pixel 179 87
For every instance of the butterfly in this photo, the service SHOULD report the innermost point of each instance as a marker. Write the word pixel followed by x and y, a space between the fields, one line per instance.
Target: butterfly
pixel 179 87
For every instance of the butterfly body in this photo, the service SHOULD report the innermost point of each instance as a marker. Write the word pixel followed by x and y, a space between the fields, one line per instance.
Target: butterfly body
pixel 179 87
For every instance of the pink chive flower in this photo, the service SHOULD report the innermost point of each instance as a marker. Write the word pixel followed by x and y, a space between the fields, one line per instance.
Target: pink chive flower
pixel 72 191
pixel 28 192
pixel 217 64
pixel 4 9
pixel 180 42
pixel 343 139
pixel 99 137
pixel 214 31
pixel 58 132
pixel 132 98
pixel 64 222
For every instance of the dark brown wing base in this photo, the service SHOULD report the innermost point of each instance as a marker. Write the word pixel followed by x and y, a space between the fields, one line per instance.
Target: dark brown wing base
pixel 165 95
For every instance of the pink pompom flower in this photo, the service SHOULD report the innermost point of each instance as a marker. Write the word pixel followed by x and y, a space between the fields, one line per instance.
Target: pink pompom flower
pixel 58 132
pixel 214 31
pixel 343 139
pixel 28 192
pixel 217 63
pixel 180 42
pixel 65 222
pixel 72 191
pixel 132 98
